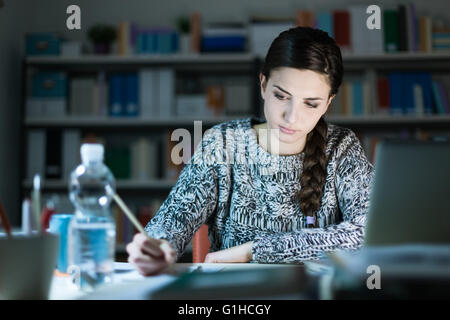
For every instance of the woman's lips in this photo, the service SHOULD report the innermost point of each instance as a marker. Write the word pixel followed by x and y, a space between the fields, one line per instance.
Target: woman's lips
pixel 287 131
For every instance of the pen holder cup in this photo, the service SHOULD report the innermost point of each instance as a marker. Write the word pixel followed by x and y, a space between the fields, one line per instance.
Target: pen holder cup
pixel 27 265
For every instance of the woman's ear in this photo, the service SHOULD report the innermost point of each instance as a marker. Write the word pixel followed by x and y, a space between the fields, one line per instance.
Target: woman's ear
pixel 263 83
pixel 331 99
pixel 329 102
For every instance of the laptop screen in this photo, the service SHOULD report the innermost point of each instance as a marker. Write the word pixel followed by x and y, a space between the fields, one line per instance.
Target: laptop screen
pixel 410 197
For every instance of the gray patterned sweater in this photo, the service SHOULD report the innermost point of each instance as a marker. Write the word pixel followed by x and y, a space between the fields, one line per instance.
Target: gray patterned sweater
pixel 244 193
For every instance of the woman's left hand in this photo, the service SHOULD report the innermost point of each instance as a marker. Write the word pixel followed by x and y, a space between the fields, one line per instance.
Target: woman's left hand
pixel 241 253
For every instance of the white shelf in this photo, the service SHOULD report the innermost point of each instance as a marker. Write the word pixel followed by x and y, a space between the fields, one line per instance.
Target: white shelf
pixel 154 184
pixel 178 58
pixel 388 119
pixel 92 121
pixel 185 122
pixel 397 56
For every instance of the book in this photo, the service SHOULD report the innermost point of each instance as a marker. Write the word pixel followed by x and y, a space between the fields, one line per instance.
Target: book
pixel 383 95
pixel 116 99
pixel 192 105
pixel 123 33
pixel 425 81
pixel 46 107
pixel 215 97
pixel 396 93
pixel 346 96
pixel 391 30
pixel 237 98
pixel 36 153
pixel 149 93
pixel 357 98
pixel 341 27
pixel 444 98
pixel 262 33
pixel 324 22
pixel 403 44
pixel 425 34
pixel 118 160
pixel 418 100
pixel 440 98
pixel 359 33
pixel 368 107
pixel 53 152
pixel 103 90
pixel 224 37
pixel 409 79
pixel 232 43
pixel 441 39
pixel 70 151
pixel 123 95
pixel 166 92
pixel 305 18
pixel 131 95
pixel 412 27
pixel 48 96
pixel 143 165
pixel 83 99
pixel 195 31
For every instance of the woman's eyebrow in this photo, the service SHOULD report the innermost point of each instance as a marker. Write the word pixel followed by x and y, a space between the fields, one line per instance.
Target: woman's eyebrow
pixel 282 89
pixel 311 98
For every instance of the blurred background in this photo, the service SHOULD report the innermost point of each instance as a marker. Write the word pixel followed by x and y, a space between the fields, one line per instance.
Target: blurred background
pixel 138 69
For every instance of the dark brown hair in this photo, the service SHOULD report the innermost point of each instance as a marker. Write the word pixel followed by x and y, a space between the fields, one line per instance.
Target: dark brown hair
pixel 309 49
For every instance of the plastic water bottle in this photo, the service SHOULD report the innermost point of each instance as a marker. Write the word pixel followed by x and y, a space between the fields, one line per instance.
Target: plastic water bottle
pixel 92 230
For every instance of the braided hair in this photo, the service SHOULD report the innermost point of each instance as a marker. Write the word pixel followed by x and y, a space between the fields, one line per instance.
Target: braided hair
pixel 309 49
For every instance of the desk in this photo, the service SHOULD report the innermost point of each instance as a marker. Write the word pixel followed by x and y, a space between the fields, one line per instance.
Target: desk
pixel 130 285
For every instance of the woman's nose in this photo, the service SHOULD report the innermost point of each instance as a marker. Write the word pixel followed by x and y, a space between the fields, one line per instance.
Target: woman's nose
pixel 290 115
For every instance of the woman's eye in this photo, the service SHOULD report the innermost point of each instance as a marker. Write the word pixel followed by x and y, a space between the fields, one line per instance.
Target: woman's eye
pixel 279 97
pixel 311 105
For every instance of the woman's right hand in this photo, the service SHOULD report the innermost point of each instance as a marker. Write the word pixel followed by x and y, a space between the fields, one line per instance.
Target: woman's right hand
pixel 150 256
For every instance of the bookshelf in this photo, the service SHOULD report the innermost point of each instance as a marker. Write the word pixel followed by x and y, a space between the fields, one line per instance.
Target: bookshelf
pixel 246 63
pixel 367 66
pixel 105 122
pixel 139 193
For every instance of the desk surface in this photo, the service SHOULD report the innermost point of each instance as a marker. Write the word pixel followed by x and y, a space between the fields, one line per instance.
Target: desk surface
pixel 126 278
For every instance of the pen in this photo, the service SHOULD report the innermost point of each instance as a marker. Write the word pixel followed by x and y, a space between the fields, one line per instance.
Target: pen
pixel 4 220
pixel 36 201
pixel 130 215
pixel 26 217
pixel 125 209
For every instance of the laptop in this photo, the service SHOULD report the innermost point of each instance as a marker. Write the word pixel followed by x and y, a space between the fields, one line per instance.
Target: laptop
pixel 410 197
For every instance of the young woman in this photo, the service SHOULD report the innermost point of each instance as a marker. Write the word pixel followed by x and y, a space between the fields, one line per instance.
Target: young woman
pixel 308 191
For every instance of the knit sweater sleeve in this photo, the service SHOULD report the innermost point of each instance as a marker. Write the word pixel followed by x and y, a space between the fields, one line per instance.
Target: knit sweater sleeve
pixel 191 201
pixel 353 179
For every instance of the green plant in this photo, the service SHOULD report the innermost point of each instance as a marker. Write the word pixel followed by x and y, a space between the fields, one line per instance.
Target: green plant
pixel 183 24
pixel 102 33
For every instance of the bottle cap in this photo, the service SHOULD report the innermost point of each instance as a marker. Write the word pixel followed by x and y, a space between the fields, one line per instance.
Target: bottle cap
pixel 92 152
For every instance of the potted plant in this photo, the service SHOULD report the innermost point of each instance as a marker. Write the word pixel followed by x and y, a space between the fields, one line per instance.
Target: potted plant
pixel 102 36
pixel 183 26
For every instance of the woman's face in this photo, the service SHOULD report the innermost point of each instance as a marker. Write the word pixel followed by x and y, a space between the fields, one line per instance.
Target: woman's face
pixel 294 101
